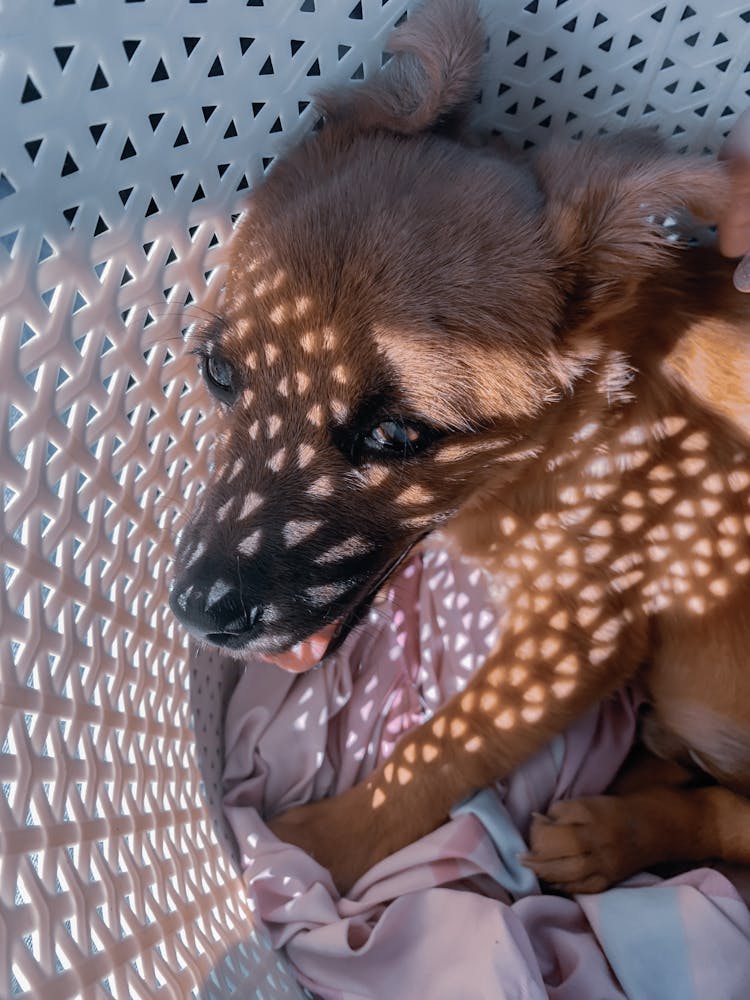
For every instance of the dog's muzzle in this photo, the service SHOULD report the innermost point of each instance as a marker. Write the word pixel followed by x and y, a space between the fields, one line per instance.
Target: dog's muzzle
pixel 215 609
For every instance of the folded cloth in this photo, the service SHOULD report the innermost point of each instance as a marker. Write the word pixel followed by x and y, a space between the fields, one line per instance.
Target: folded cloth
pixel 454 916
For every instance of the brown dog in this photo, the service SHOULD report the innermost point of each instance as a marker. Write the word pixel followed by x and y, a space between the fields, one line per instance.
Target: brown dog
pixel 418 329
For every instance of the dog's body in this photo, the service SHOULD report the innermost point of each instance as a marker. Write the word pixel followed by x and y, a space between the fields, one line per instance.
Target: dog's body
pixel 420 331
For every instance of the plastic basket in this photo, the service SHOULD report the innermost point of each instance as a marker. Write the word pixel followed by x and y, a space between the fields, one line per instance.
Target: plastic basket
pixel 131 130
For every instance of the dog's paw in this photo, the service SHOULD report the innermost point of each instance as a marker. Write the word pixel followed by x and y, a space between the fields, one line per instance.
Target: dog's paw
pixel 583 845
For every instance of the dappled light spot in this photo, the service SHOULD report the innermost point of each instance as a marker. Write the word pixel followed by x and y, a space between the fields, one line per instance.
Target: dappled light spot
pixel 697 441
pixel 231 474
pixel 439 726
pixel 592 592
pixel 249 546
pixel 517 676
pixel 534 694
pixel 375 475
pixel 609 629
pixel 295 532
pixel 197 552
pixel 568 665
pixel 525 650
pixel 468 701
pixel 271 352
pixel 542 602
pixel 348 549
pixel 457 728
pixel 597 552
pixel 730 525
pixel 633 499
pixel 550 646
pixel 562 689
pixel 738 479
pixel 532 713
pixel 684 530
pixel 661 494
pixel 414 494
pixel 420 521
pixel 378 798
pixel 223 511
pixel 305 455
pixel 321 487
pixel 714 483
pixel 586 431
pixel 495 676
pixel 326 593
pixel 488 701
pixel 692 466
pixel 560 620
pixel 506 719
pixel 339 409
pixel 273 425
pixel 315 415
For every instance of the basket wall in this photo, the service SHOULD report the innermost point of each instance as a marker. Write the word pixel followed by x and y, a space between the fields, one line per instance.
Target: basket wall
pixel 132 130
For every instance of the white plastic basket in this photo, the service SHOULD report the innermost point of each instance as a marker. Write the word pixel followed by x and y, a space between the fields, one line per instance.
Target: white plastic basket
pixel 131 130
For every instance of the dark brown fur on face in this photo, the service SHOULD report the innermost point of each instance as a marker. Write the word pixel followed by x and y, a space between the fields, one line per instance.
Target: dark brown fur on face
pixel 419 330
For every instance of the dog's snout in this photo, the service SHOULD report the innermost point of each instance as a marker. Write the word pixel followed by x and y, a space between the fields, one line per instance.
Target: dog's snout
pixel 215 609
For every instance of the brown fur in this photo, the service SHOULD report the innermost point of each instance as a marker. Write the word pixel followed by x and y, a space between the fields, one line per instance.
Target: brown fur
pixel 585 386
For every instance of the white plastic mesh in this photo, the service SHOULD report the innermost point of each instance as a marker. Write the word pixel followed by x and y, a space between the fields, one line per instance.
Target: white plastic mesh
pixel 131 130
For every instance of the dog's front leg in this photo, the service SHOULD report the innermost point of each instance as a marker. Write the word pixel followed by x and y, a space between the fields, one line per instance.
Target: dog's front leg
pixel 545 672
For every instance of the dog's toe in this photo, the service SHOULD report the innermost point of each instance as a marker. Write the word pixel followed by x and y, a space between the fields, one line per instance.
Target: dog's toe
pixel 581 845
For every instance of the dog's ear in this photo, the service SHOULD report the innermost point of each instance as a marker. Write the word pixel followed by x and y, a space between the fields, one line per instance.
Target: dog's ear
pixel 607 200
pixel 431 77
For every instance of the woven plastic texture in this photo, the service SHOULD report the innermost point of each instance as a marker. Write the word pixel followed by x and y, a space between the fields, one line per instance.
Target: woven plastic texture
pixel 132 130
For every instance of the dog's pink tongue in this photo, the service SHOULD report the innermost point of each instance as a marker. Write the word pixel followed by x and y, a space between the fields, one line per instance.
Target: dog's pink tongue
pixel 306 653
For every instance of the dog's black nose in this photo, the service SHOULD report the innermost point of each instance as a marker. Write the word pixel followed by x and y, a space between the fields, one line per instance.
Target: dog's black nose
pixel 215 610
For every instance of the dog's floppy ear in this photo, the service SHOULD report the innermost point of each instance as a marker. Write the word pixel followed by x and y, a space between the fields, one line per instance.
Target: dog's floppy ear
pixel 606 203
pixel 432 75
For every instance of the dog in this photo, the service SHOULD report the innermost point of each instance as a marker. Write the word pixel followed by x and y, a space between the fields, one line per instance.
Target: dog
pixel 422 330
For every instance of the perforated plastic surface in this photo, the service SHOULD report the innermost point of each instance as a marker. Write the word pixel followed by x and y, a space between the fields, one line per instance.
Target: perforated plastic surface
pixel 131 131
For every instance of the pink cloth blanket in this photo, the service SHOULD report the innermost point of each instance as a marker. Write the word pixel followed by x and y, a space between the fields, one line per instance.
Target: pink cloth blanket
pixel 454 916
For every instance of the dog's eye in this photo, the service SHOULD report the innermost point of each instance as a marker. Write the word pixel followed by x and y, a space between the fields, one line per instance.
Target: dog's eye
pixel 219 376
pixel 396 436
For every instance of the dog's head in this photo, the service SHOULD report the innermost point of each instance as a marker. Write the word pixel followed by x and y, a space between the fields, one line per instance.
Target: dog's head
pixel 404 310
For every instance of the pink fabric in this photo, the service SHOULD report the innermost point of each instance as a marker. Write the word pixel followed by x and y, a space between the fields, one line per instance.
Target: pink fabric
pixel 455 914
